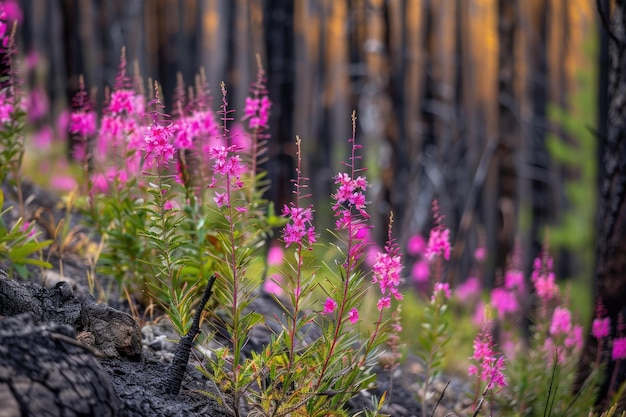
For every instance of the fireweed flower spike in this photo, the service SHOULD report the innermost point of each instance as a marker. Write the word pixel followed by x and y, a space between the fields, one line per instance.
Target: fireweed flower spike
pixel 435 333
pixel 600 329
pixel 487 365
pixel 300 233
pixel 157 137
pixel 349 207
pixel 386 271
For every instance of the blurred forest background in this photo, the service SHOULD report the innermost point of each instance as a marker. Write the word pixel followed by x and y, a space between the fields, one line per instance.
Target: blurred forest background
pixel 490 106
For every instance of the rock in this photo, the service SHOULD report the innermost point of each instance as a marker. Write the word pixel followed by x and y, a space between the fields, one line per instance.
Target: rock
pixel 45 372
pixel 115 333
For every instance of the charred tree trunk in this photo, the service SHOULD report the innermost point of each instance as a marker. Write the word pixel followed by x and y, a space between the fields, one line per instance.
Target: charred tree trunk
pixel 280 53
pixel 539 157
pixel 508 136
pixel 611 231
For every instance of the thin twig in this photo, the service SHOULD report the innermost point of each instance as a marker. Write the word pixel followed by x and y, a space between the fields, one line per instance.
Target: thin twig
pixel 480 403
pixel 440 399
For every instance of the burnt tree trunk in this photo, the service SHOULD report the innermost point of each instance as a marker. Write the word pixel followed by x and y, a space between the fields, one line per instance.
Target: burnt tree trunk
pixel 539 160
pixel 611 230
pixel 508 137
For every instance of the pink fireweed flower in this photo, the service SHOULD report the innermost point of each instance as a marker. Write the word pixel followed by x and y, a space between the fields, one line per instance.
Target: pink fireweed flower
pixel 157 145
pixel 353 316
pixel 37 104
pixel 6 107
pixel 258 111
pixel 387 269
pixel 386 272
pixel 439 239
pixel 226 162
pixel 514 280
pixel 29 228
pixel 543 278
pixel 480 254
pixel 83 123
pixel 561 321
pixel 299 230
pixel 504 301
pixel 601 328
pixel 275 255
pixel 420 271
pixel 221 199
pixel 469 289
pixel 273 285
pixel 383 302
pixel 415 245
pixel 350 192
pixel 442 288
pixel 487 365
pixel 575 338
pixel 329 306
pixel 43 138
pixel 619 349
pixel 126 101
pixel 63 182
pixel 438 243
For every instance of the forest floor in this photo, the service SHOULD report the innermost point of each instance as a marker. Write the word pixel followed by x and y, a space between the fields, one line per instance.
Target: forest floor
pixel 129 381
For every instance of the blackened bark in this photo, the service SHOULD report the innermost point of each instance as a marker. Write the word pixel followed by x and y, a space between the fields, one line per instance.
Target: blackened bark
pixel 508 136
pixel 539 156
pixel 281 61
pixel 611 230
pixel 111 332
pixel 176 371
pixel 45 372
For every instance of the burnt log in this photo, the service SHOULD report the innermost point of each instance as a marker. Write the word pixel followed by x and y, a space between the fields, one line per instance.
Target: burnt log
pixel 111 332
pixel 44 371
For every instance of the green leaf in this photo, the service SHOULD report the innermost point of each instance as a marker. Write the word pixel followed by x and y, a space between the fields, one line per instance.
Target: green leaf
pixel 19 253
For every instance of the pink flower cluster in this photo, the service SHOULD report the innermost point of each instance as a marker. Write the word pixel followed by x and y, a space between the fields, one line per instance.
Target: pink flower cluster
pixel 158 148
pixel 488 366
pixel 543 278
pixel 441 289
pixel 5 28
pixel 504 301
pixel 386 272
pixel 601 327
pixel 619 349
pixel 564 337
pixel 330 305
pixel 226 163
pixel 439 239
pixel 350 193
pixel 6 107
pixel 299 226
pixel 123 135
pixel 257 111
pixel 199 125
pixel 83 123
pixel 438 243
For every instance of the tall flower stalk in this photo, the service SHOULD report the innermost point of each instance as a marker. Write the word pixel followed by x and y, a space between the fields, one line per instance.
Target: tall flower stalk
pixel 301 233
pixel 349 208
pixel 435 334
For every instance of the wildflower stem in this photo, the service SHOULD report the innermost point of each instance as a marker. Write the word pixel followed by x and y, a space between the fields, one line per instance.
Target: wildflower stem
pixel 300 265
pixel 349 264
